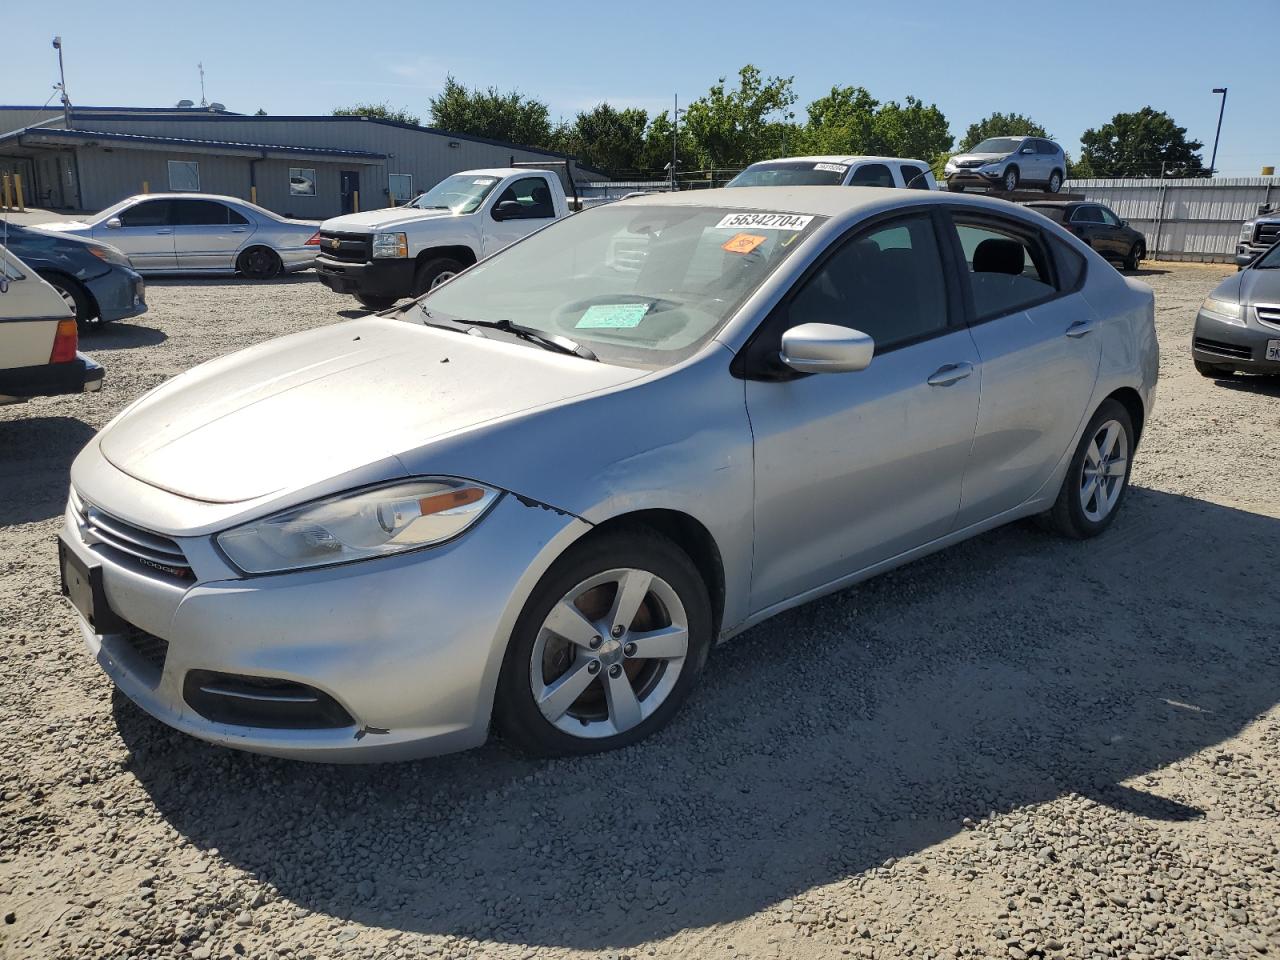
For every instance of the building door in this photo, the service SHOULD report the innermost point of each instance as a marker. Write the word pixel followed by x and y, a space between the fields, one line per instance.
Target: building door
pixel 350 180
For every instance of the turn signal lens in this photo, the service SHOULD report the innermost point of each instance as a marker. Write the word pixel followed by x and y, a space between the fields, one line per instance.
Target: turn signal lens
pixel 65 342
pixel 314 241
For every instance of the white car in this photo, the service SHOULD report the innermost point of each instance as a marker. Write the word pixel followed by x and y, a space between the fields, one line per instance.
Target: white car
pixel 837 171
pixel 200 233
pixel 38 338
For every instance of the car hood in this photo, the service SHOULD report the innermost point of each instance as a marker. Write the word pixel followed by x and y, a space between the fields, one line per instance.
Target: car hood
pixel 1253 286
pixel 985 157
pixel 63 226
pixel 302 409
pixel 381 219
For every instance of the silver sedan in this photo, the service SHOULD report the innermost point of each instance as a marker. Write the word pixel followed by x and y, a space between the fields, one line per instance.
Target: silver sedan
pixel 536 497
pixel 200 233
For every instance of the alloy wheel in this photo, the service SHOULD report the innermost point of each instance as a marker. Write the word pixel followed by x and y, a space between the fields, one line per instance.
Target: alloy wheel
pixel 1011 181
pixel 1105 468
pixel 1055 183
pixel 69 299
pixel 609 653
pixel 446 275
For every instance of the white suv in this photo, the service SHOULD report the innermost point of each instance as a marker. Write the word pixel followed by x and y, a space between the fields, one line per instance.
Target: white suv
pixel 1006 163
pixel 835 171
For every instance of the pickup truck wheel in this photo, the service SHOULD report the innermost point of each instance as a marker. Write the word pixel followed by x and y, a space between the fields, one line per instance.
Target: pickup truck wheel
pixel 258 263
pixel 375 303
pixel 432 273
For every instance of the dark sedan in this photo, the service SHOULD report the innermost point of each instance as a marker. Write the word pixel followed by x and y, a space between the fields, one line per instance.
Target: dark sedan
pixel 1099 227
pixel 1238 326
pixel 96 280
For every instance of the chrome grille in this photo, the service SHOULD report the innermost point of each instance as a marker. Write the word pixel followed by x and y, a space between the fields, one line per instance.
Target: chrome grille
pixel 1266 233
pixel 1268 313
pixel 150 550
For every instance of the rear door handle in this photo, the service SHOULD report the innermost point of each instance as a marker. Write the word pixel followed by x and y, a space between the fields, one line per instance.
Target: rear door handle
pixel 1079 329
pixel 950 373
pixel 165 230
pixel 237 229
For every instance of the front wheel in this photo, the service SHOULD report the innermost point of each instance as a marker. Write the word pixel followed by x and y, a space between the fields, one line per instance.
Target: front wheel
pixel 608 647
pixel 1097 476
pixel 1136 253
pixel 431 273
pixel 74 295
pixel 1010 181
pixel 259 263
pixel 1055 182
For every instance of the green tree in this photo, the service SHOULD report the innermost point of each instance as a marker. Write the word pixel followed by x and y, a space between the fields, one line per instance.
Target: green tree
pixel 379 111
pixel 843 121
pixel 1001 125
pixel 657 145
pixel 490 113
pixel 911 129
pixel 260 112
pixel 1137 144
pixel 734 127
pixel 606 137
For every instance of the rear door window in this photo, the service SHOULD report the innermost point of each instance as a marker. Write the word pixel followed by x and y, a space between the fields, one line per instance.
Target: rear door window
pixel 196 213
pixel 1044 146
pixel 872 175
pixel 1087 214
pixel 913 178
pixel 1007 266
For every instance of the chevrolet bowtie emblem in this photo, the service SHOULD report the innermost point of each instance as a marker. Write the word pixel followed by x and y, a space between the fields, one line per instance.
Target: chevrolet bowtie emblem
pixel 335 242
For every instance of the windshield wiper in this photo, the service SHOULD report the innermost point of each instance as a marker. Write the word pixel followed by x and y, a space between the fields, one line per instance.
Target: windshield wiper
pixel 548 341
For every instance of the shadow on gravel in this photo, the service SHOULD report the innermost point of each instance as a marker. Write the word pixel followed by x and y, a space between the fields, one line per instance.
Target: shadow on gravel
pixel 1005 672
pixel 121 336
pixel 203 280
pixel 1267 386
pixel 355 314
pixel 35 463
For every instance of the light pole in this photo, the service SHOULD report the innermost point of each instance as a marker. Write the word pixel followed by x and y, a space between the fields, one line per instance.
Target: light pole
pixel 62 84
pixel 1213 161
pixel 675 134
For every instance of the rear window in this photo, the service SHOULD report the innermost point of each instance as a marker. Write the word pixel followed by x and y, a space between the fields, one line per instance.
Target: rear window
pixel 1054 213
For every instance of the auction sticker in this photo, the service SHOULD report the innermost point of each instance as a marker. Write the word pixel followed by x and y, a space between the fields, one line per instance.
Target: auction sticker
pixel 831 167
pixel 613 316
pixel 743 242
pixel 764 221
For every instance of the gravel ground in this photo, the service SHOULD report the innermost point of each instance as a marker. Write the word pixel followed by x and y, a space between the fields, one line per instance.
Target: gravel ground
pixel 1020 747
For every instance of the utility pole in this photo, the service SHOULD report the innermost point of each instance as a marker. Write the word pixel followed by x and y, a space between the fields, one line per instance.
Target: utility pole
pixel 1213 162
pixel 62 85
pixel 203 101
pixel 675 130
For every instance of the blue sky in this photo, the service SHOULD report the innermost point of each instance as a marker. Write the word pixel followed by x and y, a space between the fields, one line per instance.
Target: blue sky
pixel 1069 66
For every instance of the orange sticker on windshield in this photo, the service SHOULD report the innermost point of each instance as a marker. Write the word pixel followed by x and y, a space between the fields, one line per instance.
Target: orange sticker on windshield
pixel 743 242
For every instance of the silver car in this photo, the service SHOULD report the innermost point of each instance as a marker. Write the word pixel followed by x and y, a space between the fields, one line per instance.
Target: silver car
pixel 537 496
pixel 1238 325
pixel 1007 163
pixel 201 233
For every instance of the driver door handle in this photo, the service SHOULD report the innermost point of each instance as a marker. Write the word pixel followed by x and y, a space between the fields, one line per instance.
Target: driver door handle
pixel 950 373
pixel 237 229
pixel 164 230
pixel 1079 329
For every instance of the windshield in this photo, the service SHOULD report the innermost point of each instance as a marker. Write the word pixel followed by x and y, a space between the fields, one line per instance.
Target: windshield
pixel 637 285
pixel 791 173
pixel 998 145
pixel 461 193
pixel 1269 260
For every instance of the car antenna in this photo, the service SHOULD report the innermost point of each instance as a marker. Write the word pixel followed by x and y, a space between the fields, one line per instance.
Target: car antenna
pixel 919 176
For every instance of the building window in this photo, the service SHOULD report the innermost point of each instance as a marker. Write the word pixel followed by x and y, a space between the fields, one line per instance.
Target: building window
pixel 302 182
pixel 401 186
pixel 184 175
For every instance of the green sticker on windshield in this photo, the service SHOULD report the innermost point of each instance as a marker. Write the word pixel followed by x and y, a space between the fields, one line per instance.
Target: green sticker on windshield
pixel 613 316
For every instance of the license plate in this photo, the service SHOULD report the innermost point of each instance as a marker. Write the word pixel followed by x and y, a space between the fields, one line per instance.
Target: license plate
pixel 82 585
pixel 1273 350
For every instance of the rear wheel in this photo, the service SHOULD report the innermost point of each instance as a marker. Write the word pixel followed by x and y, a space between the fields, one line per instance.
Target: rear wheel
pixel 1011 179
pixel 259 263
pixel 1055 181
pixel 608 647
pixel 75 296
pixel 1136 253
pixel 432 273
pixel 370 302
pixel 1097 477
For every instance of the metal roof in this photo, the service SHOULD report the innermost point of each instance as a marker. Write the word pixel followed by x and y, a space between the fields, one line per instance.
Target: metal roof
pixel 42 133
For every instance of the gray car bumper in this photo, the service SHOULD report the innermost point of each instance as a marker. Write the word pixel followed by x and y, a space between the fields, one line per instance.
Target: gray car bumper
pixel 120 293
pixel 1233 346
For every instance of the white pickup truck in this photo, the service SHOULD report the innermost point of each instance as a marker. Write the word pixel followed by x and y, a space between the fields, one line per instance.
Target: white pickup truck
pixel 383 255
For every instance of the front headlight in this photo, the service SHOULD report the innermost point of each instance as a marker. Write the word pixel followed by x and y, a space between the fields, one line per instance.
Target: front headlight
pixel 1226 310
pixel 376 522
pixel 104 251
pixel 994 163
pixel 1246 231
pixel 390 245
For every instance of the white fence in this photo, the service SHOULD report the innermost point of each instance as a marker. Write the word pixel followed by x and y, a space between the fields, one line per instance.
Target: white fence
pixel 1184 219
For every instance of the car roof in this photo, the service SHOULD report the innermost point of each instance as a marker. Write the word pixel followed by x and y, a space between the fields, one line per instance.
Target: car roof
pixel 833 201
pixel 1054 203
pixel 186 195
pixel 839 158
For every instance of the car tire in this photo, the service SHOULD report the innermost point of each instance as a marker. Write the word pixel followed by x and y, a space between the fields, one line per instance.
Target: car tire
pixel 432 273
pixel 586 582
pixel 955 187
pixel 1136 253
pixel 1009 182
pixel 1055 181
pixel 259 263
pixel 75 296
pixel 373 303
pixel 1071 514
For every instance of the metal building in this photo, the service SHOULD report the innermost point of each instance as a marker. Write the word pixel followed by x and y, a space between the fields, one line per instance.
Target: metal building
pixel 309 167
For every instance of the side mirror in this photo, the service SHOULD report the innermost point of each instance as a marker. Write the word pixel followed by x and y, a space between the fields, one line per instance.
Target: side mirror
pixel 826 348
pixel 1124 223
pixel 1028 150
pixel 507 210
pixel 114 223
pixel 4 284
